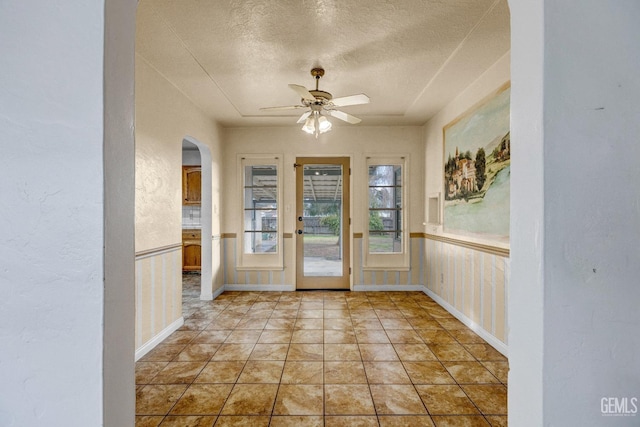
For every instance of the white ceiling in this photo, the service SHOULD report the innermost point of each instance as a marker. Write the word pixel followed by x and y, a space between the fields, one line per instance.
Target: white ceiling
pixel 411 57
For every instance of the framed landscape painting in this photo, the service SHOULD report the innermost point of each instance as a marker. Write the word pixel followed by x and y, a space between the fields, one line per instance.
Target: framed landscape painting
pixel 477 167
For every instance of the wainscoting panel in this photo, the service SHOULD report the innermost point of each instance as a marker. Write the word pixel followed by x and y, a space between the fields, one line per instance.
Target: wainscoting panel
pixel 471 282
pixel 158 295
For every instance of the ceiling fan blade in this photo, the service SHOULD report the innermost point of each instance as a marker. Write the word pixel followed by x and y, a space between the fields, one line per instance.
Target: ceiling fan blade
pixel 287 107
pixel 304 116
pixel 344 101
pixel 344 116
pixel 303 92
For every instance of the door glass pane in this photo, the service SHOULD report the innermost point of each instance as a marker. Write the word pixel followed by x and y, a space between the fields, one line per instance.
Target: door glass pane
pixel 322 220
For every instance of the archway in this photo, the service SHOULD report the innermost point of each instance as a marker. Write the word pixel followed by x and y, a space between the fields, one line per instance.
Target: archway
pixel 206 272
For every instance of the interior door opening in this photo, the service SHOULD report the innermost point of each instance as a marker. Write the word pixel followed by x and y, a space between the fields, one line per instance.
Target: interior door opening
pixel 322 223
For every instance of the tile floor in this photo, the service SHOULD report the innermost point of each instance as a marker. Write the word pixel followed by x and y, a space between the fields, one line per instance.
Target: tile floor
pixel 320 359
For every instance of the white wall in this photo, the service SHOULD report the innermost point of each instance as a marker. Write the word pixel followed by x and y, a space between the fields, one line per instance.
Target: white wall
pixel 289 142
pixel 52 215
pixel 471 283
pixel 576 212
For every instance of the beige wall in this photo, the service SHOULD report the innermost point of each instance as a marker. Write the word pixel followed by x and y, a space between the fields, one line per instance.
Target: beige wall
pixel 164 117
pixel 356 142
pixel 471 283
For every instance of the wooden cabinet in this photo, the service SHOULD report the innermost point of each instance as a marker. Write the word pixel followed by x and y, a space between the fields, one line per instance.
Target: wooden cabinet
pixel 191 250
pixel 191 185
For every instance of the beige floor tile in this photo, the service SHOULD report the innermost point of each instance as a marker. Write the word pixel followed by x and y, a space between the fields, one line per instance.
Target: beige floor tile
pixel 389 314
pixel 339 336
pixel 188 421
pixel 338 324
pixel 163 353
pixel 397 399
pixel 499 369
pixel 337 352
pixel 178 373
pixel 280 324
pixel 342 313
pixel 224 322
pixel 364 313
pixel 469 373
pixel 309 323
pixel 303 372
pixel 262 371
pixel 451 352
pixel 275 336
pixel 320 359
pixel 344 372
pixel 403 336
pixel 233 352
pixel 484 352
pixel 299 399
pixel 497 420
pixel 490 399
pixel 243 336
pixel 360 323
pixel 202 399
pixel 348 399
pixel 220 372
pixel 148 420
pixel 250 399
pixel 405 421
pixel 423 323
pixel 466 336
pixel 305 352
pixel 378 352
pixel 197 353
pixel 460 421
pixel 414 352
pixel 428 373
pixel 386 373
pixel 253 323
pixel 307 336
pixel 284 313
pixel 145 371
pixel 157 399
pixel 306 313
pixel 212 336
pixel 351 421
pixel 372 336
pixel 446 400
pixel 242 421
pixel 269 352
pixel 436 336
pixel 296 421
pixel 181 337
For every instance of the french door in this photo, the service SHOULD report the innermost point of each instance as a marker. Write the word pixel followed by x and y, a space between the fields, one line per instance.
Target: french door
pixel 322 223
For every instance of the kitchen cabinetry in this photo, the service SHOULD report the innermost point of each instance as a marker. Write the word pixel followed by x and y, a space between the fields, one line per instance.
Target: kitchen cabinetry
pixel 191 250
pixel 191 184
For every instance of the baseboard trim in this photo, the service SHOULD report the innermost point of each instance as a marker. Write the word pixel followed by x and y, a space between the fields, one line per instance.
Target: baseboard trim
pixel 266 288
pixel 387 288
pixel 493 341
pixel 150 345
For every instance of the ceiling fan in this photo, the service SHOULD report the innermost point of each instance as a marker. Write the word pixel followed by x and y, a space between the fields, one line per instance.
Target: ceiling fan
pixel 319 101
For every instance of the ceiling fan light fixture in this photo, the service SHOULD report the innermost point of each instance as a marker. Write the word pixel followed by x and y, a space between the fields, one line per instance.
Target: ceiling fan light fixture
pixel 309 125
pixel 324 125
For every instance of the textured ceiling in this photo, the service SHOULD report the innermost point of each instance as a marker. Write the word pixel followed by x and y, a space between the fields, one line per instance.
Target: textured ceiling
pixel 233 57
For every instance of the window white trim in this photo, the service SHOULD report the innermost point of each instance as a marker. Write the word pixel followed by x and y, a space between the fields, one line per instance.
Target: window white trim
pixel 268 260
pixel 388 260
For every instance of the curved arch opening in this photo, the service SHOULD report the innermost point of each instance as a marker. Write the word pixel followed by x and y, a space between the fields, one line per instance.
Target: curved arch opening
pixel 192 149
